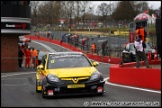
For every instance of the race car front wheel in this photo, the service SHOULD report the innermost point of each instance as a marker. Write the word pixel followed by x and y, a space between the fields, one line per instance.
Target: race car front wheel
pixel 43 96
pixel 38 91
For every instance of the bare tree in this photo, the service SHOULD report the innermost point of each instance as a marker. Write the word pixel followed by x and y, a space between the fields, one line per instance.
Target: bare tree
pixel 68 11
pixel 34 10
pixel 104 10
pixel 140 6
pixel 45 12
pixel 49 11
pixel 56 11
pixel 42 12
pixel 64 10
pixel 84 7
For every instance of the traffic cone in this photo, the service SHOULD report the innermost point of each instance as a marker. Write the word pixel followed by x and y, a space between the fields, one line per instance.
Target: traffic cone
pixel 149 56
pixel 155 56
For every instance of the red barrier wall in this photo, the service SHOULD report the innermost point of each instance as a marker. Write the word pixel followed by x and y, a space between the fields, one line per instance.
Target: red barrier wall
pixel 139 77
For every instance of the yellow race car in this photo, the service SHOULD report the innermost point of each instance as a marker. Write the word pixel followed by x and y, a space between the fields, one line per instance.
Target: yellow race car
pixel 68 73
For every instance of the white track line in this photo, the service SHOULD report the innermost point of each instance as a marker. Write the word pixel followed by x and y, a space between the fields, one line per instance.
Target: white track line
pixel 130 87
pixel 49 48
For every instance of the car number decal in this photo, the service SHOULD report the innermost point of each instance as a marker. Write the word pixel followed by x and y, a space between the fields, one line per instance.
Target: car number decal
pixel 76 86
pixel 62 56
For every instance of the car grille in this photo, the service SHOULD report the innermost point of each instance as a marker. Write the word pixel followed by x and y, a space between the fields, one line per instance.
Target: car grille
pixel 71 82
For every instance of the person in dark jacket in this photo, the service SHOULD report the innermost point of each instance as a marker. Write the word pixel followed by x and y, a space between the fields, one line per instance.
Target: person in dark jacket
pixel 20 57
pixel 103 48
pixel 140 45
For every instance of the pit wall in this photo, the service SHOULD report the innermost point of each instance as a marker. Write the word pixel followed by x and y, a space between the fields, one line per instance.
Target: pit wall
pixel 139 77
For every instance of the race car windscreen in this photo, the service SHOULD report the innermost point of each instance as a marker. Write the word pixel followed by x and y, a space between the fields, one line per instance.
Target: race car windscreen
pixel 67 61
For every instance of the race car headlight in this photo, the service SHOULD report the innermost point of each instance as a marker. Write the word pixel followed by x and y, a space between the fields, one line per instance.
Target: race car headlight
pixel 53 78
pixel 94 76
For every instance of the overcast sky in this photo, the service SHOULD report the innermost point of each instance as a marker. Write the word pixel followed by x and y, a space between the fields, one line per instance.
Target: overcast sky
pixel 154 4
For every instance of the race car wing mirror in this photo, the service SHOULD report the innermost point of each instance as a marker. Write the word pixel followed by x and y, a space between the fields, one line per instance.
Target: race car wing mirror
pixel 95 64
pixel 40 67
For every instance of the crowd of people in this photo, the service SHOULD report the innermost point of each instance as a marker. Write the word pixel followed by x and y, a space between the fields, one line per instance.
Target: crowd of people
pixel 27 55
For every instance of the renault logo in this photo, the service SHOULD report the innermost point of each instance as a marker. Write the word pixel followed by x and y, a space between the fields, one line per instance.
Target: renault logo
pixel 75 80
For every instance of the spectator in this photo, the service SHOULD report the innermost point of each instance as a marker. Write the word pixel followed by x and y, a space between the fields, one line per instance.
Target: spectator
pixel 137 31
pixel 103 48
pixel 34 54
pixel 64 37
pixel 28 57
pixel 23 45
pixel 87 44
pixel 23 48
pixel 52 36
pixel 76 40
pixel 70 41
pixel 26 45
pixel 48 34
pixel 20 57
pixel 83 44
pixel 142 32
pixel 93 48
pixel 140 53
pixel 68 38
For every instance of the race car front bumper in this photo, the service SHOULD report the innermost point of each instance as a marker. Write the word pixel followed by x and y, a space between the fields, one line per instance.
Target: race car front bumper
pixel 96 87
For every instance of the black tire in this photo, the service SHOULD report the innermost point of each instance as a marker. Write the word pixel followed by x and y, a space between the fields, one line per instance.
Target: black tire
pixel 124 61
pixel 43 96
pixel 38 91
pixel 132 58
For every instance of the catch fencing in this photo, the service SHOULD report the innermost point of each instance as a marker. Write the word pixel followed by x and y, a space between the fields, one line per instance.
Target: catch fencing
pixel 114 47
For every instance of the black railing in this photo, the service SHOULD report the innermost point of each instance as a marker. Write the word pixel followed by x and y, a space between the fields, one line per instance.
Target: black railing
pixel 114 47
